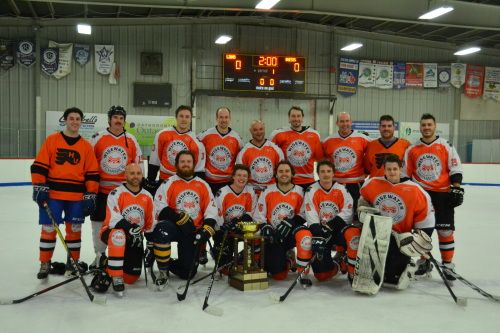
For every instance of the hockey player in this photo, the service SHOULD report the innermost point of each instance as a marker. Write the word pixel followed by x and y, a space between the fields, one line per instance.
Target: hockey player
pixel 279 209
pixel 301 145
pixel 387 144
pixel 222 145
pixel 412 220
pixel 328 211
pixel 187 214
pixel 66 176
pixel 114 150
pixel 235 203
pixel 434 164
pixel 261 156
pixel 129 214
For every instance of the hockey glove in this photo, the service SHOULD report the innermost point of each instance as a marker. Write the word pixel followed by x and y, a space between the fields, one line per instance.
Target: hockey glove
pixel 149 256
pixel 267 231
pixel 133 231
pixel 455 196
pixel 89 203
pixel 40 194
pixel 182 219
pixel 204 235
pixel 150 186
pixel 230 226
pixel 283 230
pixel 318 246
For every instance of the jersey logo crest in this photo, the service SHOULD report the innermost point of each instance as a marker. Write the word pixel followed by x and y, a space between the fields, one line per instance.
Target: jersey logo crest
pixel 429 167
pixel 344 159
pixel 174 148
pixel 262 170
pixel 67 155
pixel 220 157
pixel 188 201
pixel 391 204
pixel 298 153
pixel 114 160
pixel 380 158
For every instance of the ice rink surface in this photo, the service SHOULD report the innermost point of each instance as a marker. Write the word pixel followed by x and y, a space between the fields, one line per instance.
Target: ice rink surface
pixel 426 306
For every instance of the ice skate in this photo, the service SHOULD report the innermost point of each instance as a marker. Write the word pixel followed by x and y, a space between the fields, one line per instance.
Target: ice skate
pixel 448 270
pixel 160 281
pixel 203 258
pixel 305 282
pixel 100 262
pixel 290 257
pixel 118 285
pixel 341 259
pixel 44 271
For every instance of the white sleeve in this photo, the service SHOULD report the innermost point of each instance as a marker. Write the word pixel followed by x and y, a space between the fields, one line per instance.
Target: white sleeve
pixel 160 200
pixel 200 163
pixel 114 209
pixel 154 158
pixel 346 213
pixel 261 209
pixel 310 210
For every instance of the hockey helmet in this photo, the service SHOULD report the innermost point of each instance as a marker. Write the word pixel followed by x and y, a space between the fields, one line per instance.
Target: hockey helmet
pixel 101 281
pixel 117 110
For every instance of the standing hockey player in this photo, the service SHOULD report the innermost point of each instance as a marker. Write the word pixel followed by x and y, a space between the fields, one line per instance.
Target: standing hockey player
pixel 388 241
pixel 114 150
pixel 434 164
pixel 66 176
pixel 387 144
pixel 301 146
pixel 279 209
pixel 187 215
pixel 261 156
pixel 129 214
pixel 328 210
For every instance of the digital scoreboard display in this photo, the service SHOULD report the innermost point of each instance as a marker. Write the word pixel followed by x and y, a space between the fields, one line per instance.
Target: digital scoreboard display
pixel 264 73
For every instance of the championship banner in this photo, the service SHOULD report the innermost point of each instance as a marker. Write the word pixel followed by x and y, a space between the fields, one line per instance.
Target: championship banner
pixel 65 58
pixel 6 54
pixel 430 75
pixel 384 73
pixel 474 76
pixel 50 60
pixel 492 83
pixel 399 76
pixel 414 74
pixel 26 52
pixel 444 76
pixel 457 74
pixel 144 128
pixel 348 76
pixel 367 71
pixel 104 58
pixel 82 54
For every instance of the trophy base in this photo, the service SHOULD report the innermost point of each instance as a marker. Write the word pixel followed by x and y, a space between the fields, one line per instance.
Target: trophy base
pixel 249 281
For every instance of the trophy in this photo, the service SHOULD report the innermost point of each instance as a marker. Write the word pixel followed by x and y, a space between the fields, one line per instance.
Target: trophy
pixel 248 273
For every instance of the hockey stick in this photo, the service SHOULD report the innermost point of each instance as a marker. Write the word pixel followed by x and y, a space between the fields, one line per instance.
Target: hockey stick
pixel 278 299
pixel 459 300
pixel 213 310
pixel 472 285
pixel 38 293
pixel 182 296
pixel 94 299
pixel 229 264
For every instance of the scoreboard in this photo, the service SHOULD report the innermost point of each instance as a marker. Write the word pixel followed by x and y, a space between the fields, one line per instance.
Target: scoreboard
pixel 263 73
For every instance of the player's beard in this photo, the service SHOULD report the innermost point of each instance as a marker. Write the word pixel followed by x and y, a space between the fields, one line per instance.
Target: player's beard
pixel 185 173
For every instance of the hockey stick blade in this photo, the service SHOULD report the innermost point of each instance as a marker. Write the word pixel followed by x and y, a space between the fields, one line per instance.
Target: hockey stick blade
pixel 275 298
pixel 99 300
pixel 214 310
pixel 458 300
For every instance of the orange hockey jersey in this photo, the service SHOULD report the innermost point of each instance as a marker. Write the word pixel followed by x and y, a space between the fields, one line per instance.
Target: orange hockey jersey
pixel 70 170
pixel 113 154
pixel 431 165
pixel 136 208
pixel 322 205
pixel 192 196
pixel 221 154
pixel 233 205
pixel 407 203
pixel 261 161
pixel 376 152
pixel 301 149
pixel 168 143
pixel 274 205
pixel 347 156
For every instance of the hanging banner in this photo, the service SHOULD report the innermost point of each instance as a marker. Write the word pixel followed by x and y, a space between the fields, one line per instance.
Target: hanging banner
pixel 399 76
pixel 65 58
pixel 384 73
pixel 82 54
pixel 366 76
pixel 50 60
pixel 348 76
pixel 430 75
pixel 414 74
pixel 492 83
pixel 6 54
pixel 26 52
pixel 474 77
pixel 457 74
pixel 444 76
pixel 104 58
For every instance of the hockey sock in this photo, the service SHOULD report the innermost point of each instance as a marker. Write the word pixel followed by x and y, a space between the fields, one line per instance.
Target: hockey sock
pixel 303 239
pixel 446 244
pixel 73 238
pixel 99 245
pixel 352 236
pixel 162 254
pixel 47 242
pixel 116 252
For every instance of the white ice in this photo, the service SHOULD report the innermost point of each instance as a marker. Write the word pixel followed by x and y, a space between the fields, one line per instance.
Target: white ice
pixel 426 306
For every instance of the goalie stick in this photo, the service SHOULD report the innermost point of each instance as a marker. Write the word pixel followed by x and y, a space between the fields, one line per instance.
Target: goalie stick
pixel 279 299
pixel 182 296
pixel 94 299
pixel 459 300
pixel 38 293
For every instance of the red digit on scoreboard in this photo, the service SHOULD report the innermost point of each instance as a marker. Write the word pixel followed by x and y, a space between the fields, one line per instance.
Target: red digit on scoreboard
pixel 238 64
pixel 296 67
pixel 261 81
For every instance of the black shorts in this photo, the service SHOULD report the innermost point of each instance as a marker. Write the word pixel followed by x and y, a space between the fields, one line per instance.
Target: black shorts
pixel 445 215
pixel 99 213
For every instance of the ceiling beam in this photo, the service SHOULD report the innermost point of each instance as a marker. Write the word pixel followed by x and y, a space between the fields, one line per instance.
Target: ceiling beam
pixel 51 9
pixel 32 10
pixel 434 32
pixel 466 34
pixel 381 25
pixel 14 8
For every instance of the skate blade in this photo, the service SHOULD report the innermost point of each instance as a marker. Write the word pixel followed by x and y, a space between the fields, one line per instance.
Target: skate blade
pixel 99 300
pixel 214 310
pixel 275 298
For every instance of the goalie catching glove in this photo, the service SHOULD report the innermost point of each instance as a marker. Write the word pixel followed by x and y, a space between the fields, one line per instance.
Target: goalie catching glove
pixel 414 244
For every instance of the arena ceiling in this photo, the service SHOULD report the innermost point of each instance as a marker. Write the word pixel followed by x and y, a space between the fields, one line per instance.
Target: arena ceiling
pixel 471 22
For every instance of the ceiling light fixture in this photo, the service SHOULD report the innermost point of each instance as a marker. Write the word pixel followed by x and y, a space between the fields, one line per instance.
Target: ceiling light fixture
pixel 223 39
pixel 266 4
pixel 435 13
pixel 467 51
pixel 84 29
pixel 351 47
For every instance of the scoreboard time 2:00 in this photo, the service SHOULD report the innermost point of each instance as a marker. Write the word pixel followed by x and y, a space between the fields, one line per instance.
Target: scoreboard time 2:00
pixel 264 73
